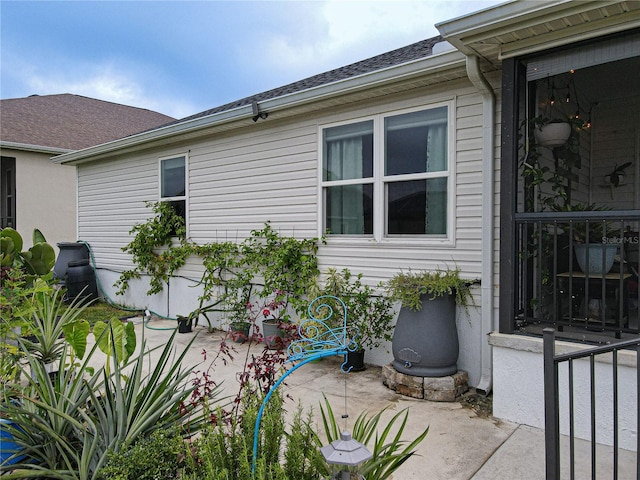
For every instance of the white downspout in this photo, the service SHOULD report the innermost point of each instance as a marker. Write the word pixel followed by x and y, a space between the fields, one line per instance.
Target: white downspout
pixel 487 286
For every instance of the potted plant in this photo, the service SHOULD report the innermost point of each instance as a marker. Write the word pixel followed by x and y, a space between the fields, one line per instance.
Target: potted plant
pixel 240 330
pixel 593 254
pixel 425 339
pixel 616 177
pixel 275 323
pixel 369 315
pixel 551 133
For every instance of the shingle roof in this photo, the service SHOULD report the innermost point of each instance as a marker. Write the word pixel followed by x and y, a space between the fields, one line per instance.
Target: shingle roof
pixel 71 121
pixel 395 57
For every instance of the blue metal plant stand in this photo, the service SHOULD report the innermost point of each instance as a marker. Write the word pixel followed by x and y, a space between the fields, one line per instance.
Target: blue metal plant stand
pixel 317 340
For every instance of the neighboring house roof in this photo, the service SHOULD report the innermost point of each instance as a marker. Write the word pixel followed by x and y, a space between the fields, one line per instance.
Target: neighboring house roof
pixel 70 122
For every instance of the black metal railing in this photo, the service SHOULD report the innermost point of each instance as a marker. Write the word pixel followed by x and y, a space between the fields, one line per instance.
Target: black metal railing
pixel 578 270
pixel 552 405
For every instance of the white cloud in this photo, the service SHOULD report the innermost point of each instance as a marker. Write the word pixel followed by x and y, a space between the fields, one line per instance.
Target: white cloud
pixel 107 83
pixel 358 29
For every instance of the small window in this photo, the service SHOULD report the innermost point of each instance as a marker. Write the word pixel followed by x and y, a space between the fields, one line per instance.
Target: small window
pixel 173 185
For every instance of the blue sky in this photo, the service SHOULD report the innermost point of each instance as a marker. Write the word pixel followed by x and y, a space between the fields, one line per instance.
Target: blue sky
pixel 181 58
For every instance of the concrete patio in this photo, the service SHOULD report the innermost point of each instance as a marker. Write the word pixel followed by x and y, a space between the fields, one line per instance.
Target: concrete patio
pixel 460 445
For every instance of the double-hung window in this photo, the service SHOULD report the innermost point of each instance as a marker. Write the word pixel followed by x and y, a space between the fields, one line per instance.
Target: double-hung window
pixel 388 176
pixel 173 183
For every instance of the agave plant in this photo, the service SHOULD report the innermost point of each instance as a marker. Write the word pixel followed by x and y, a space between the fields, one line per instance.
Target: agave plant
pixel 47 321
pixel 65 426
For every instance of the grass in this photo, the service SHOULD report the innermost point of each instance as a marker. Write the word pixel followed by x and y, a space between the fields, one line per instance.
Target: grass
pixel 105 312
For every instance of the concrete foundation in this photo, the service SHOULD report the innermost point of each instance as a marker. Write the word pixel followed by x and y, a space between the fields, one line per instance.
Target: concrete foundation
pixel 435 389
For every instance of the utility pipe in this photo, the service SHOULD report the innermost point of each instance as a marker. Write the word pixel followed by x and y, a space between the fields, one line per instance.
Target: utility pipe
pixel 487 286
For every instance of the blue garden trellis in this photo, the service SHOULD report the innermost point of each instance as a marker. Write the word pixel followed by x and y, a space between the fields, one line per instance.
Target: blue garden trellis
pixel 317 340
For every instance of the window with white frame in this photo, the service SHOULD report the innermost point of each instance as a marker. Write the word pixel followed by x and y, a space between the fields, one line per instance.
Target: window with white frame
pixel 388 176
pixel 173 186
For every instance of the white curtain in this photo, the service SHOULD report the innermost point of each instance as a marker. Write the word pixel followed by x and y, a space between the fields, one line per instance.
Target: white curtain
pixel 436 194
pixel 345 162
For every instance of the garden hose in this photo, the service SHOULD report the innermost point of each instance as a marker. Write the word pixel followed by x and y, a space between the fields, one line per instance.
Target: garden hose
pixel 147 312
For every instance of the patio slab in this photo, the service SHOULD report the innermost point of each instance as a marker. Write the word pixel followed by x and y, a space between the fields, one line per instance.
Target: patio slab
pixel 459 442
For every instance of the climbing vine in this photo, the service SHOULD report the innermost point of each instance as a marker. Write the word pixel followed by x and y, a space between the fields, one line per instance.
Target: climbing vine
pixel 265 264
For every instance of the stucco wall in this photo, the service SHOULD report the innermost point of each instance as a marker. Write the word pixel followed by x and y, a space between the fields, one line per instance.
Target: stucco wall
pixel 45 197
pixel 519 389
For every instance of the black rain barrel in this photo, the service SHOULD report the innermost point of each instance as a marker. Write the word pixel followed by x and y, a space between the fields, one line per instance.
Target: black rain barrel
pixel 69 251
pixel 81 280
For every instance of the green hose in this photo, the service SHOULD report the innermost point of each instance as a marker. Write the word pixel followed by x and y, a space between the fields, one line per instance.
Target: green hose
pixel 148 313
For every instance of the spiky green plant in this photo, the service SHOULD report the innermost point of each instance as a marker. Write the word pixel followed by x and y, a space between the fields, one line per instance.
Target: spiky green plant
pixel 389 451
pixel 66 425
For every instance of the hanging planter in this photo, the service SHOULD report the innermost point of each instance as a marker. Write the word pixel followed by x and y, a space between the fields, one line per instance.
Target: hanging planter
pixel 354 361
pixel 552 134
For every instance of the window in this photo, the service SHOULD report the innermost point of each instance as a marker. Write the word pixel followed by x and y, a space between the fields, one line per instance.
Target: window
pixel 7 192
pixel 404 171
pixel 173 186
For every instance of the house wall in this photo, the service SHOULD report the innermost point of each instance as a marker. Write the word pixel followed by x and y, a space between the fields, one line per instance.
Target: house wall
pixel 45 197
pixel 616 130
pixel 519 389
pixel 269 172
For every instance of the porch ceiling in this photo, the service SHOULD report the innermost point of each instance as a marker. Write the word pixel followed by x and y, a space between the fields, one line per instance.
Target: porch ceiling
pixel 518 28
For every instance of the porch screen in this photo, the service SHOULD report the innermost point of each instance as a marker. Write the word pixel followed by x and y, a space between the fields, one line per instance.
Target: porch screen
pixel 603 51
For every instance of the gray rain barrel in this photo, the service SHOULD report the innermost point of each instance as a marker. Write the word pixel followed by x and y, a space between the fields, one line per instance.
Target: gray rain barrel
pixel 425 342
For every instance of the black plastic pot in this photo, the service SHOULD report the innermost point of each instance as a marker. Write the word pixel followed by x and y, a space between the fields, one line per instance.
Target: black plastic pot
pixel 240 331
pixel 354 361
pixel 185 325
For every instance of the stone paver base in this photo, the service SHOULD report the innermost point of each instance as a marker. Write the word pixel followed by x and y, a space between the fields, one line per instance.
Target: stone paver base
pixel 436 389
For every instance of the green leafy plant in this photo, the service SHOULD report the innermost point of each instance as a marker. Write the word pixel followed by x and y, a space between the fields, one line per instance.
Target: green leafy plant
pixel 160 456
pixel 66 425
pixel 617 174
pixel 389 450
pixel 369 313
pixel 49 320
pixel 234 272
pixel 152 248
pixel 38 260
pixel 408 287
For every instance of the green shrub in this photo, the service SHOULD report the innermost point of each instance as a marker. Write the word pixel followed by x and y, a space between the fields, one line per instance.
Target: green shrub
pixel 157 457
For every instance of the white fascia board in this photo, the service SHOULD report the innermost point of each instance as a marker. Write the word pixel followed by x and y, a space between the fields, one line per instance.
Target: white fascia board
pixel 500 19
pixel 432 64
pixel 34 148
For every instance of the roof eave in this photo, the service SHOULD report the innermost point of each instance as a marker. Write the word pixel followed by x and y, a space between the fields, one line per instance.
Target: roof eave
pixel 432 64
pixel 485 26
pixel 34 148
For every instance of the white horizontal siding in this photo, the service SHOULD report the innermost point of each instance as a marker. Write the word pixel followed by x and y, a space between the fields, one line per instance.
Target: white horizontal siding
pixel 239 180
